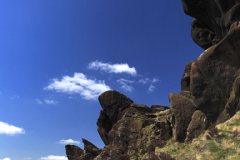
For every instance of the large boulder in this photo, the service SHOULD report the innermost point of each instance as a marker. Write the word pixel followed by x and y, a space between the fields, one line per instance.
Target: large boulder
pixel 202 35
pixel 196 126
pixel 139 130
pixel 232 105
pixel 206 95
pixel 182 109
pixel 104 126
pixel 89 153
pixel 73 152
pixel 91 148
pixel 114 105
pixel 217 16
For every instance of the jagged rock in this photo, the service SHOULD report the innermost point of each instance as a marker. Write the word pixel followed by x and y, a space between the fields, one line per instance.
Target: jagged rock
pixel 163 128
pixel 73 152
pixel 206 95
pixel 89 153
pixel 141 107
pixel 156 108
pixel 217 15
pixel 182 109
pixel 104 126
pixel 114 103
pixel 232 105
pixel 139 129
pixel 185 81
pixel 91 148
pixel 202 35
pixel 86 156
pixel 210 93
pixel 196 126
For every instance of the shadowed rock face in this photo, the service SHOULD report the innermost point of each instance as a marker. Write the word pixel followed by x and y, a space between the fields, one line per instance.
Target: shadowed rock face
pixel 114 105
pixel 213 19
pixel 89 153
pixel 73 152
pixel 217 15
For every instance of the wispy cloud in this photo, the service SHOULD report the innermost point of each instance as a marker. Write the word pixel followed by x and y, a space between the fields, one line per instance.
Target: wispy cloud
pixel 68 141
pixel 27 158
pixel 151 88
pixel 113 68
pixel 89 89
pixel 14 97
pixel 50 101
pixel 52 157
pixel 39 101
pixel 155 80
pixel 5 159
pixel 143 80
pixel 124 84
pixel 10 129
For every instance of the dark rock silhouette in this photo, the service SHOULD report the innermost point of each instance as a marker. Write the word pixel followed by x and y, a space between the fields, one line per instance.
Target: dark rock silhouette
pixel 210 94
pixel 73 152
pixel 89 153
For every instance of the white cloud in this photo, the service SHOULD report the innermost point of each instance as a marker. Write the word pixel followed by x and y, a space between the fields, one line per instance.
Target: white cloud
pixel 89 89
pixel 14 97
pixel 39 101
pixel 52 157
pixel 68 141
pixel 123 81
pixel 151 88
pixel 155 80
pixel 143 81
pixel 50 101
pixel 113 68
pixel 10 129
pixel 5 159
pixel 125 86
pixel 28 158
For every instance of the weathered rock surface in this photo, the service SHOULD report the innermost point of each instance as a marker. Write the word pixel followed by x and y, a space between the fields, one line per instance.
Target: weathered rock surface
pixel 113 104
pixel 139 130
pixel 210 81
pixel 73 152
pixel 182 109
pixel 196 126
pixel 89 153
pixel 210 94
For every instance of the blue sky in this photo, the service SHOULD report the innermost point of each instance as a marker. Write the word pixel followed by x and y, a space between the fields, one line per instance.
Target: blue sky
pixel 57 56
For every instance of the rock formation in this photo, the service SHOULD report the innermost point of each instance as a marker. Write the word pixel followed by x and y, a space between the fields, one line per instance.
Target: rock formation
pixel 210 93
pixel 75 153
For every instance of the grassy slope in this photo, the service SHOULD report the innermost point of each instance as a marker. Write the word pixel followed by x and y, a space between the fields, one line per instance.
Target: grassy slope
pixel 224 145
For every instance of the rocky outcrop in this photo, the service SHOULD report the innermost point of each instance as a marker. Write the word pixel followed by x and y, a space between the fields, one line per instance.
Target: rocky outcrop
pixel 139 129
pixel 182 109
pixel 210 81
pixel 210 94
pixel 89 153
pixel 73 152
pixel 114 105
